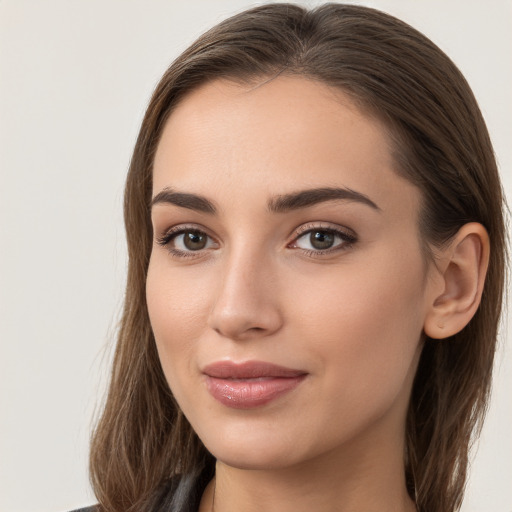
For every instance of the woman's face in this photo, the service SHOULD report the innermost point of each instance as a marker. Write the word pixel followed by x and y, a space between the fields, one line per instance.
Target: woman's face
pixel 287 290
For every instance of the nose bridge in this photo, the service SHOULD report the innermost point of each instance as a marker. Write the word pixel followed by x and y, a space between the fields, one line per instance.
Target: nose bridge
pixel 246 300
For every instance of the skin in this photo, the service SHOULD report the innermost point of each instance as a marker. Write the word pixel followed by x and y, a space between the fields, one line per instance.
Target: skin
pixel 353 319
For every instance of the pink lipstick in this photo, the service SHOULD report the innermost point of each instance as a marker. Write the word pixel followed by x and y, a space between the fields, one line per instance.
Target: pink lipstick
pixel 250 384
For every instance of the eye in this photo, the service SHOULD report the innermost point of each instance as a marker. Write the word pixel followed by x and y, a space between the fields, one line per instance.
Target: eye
pixel 183 241
pixel 319 240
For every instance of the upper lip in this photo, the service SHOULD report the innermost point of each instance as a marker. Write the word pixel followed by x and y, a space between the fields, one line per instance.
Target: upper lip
pixel 249 370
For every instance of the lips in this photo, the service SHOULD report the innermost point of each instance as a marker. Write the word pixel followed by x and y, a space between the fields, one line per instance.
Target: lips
pixel 250 384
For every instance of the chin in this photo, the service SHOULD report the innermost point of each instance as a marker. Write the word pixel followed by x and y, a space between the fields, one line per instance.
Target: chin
pixel 252 452
pixel 253 460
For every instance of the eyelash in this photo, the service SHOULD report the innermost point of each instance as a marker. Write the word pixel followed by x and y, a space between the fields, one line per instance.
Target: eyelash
pixel 348 239
pixel 174 232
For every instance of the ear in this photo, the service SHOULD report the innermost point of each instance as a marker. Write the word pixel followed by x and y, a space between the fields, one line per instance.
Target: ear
pixel 462 266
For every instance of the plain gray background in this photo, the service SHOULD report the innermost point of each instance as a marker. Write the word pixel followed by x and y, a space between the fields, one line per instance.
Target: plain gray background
pixel 75 77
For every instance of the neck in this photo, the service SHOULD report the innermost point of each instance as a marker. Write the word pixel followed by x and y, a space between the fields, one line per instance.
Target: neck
pixel 360 481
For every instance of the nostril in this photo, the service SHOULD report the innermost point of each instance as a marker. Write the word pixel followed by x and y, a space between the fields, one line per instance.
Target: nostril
pixel 244 308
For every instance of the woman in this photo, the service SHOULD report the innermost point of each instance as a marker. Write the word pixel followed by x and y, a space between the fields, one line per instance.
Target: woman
pixel 316 261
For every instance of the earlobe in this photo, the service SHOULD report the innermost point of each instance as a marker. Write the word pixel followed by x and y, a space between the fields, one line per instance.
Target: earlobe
pixel 462 267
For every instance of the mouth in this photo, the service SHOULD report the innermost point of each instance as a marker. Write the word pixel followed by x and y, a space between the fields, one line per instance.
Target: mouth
pixel 250 384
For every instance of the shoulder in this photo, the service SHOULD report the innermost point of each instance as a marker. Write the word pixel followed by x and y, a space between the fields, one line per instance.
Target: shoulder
pixel 183 492
pixel 180 493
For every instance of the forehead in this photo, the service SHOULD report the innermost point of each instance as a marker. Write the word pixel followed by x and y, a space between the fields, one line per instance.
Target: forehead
pixel 275 137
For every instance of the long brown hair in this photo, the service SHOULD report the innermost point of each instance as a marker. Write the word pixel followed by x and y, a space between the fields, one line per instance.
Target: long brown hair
pixel 441 145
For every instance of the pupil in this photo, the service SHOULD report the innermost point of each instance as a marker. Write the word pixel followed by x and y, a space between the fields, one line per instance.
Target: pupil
pixel 194 241
pixel 321 239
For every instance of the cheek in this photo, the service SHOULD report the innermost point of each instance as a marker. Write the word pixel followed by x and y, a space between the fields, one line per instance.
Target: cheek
pixel 363 326
pixel 177 308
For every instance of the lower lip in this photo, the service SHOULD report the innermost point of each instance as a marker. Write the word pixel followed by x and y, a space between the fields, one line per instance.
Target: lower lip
pixel 250 393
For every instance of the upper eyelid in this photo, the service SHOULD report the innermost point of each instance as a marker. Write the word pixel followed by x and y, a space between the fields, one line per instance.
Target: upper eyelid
pixel 323 225
pixel 297 232
pixel 179 228
pixel 348 236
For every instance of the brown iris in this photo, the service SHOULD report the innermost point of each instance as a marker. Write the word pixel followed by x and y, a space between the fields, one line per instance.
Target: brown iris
pixel 321 239
pixel 194 240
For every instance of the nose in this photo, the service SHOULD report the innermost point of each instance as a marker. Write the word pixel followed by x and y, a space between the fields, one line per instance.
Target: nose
pixel 246 303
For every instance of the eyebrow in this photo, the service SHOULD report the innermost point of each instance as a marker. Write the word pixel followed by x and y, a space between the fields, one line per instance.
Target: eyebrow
pixel 278 204
pixel 185 200
pixel 310 197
